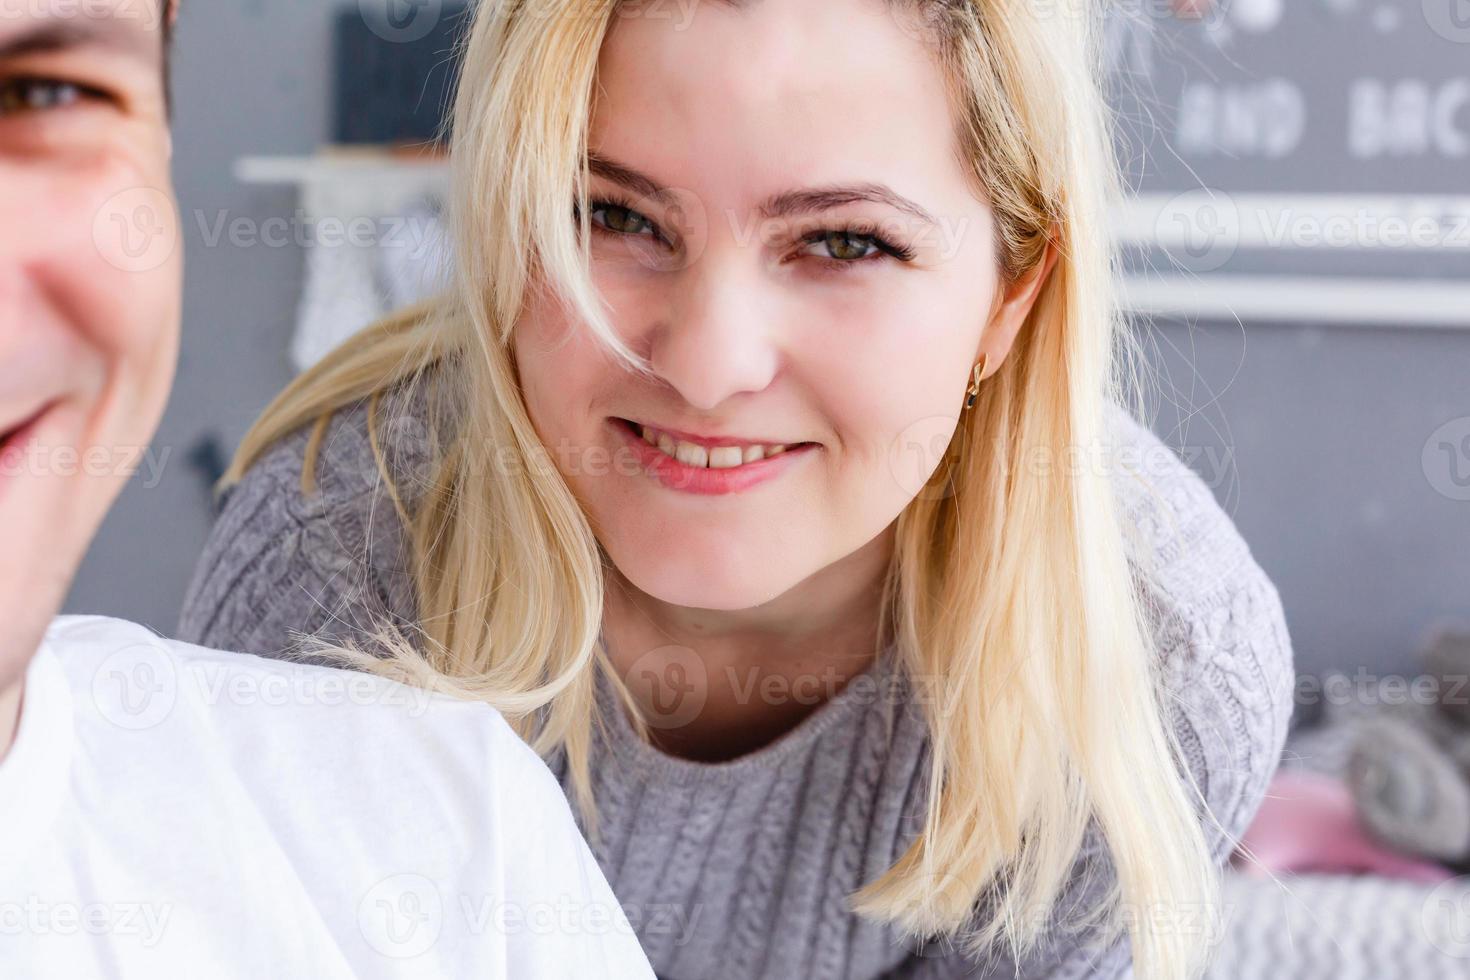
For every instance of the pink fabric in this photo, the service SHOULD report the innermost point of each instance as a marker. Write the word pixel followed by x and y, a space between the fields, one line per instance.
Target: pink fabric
pixel 1308 824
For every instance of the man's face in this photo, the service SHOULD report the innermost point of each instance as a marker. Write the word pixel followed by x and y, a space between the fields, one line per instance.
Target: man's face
pixel 90 270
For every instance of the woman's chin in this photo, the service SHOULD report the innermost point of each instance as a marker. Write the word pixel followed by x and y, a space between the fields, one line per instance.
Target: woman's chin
pixel 696 582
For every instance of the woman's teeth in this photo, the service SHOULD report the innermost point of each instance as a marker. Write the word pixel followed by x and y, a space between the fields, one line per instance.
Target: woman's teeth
pixel 718 458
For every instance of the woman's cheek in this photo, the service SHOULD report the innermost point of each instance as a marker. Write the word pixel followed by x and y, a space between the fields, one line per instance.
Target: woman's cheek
pixel 559 368
pixel 906 393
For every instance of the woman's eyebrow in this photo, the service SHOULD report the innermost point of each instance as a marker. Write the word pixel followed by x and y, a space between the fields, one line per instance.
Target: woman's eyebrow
pixel 125 35
pixel 784 205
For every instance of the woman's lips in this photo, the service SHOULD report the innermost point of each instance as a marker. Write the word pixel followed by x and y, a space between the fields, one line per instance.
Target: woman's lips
pixel 703 480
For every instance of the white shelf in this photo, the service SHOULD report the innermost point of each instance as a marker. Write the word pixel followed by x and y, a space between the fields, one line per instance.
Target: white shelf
pixel 330 167
pixel 1357 302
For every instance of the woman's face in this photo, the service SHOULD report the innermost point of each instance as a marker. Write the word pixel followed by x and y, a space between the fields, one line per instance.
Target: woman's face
pixel 817 271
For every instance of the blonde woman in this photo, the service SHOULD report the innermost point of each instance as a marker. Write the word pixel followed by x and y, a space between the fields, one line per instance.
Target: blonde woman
pixel 766 464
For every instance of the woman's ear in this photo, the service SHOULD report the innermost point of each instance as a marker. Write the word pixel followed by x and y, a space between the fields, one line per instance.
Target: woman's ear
pixel 1014 302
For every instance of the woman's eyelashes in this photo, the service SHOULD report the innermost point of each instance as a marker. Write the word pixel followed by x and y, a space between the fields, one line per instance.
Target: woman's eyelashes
pixel 846 246
pixel 862 239
pixel 619 218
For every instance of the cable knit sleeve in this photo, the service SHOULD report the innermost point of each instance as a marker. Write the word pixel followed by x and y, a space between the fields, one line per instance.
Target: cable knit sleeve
pixel 1220 630
pixel 1221 636
pixel 280 563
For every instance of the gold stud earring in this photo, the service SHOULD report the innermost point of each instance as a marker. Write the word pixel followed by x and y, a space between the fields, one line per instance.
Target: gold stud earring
pixel 974 388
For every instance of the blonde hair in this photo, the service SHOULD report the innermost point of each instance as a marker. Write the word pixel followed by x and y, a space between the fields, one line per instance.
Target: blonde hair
pixel 1010 597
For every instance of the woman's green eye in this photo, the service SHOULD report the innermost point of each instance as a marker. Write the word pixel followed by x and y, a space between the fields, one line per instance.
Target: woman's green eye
pixel 37 95
pixel 851 246
pixel 624 221
pixel 848 247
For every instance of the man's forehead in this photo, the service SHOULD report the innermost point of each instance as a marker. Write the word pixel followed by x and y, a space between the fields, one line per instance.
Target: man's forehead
pixel 124 26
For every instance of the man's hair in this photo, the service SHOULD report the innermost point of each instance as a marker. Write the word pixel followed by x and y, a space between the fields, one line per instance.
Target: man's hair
pixel 168 37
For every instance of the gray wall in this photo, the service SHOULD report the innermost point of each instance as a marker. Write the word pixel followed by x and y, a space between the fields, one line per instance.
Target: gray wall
pixel 249 77
pixel 1322 431
pixel 1312 436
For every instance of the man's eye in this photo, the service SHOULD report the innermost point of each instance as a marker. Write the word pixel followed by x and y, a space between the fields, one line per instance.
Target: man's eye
pixel 19 95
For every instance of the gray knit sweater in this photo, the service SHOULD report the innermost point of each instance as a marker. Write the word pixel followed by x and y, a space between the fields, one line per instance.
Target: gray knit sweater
pixel 738 870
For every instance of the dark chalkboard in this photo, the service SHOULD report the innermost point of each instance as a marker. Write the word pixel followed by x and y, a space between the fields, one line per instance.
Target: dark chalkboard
pixel 395 70
pixel 1319 150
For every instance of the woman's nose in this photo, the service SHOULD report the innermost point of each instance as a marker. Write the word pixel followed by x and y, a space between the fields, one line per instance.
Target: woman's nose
pixel 720 334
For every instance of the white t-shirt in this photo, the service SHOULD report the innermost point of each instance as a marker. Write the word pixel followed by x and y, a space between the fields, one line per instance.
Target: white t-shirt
pixel 171 811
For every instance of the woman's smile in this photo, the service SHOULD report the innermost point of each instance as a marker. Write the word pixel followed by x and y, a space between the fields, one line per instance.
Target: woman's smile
pixel 702 469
